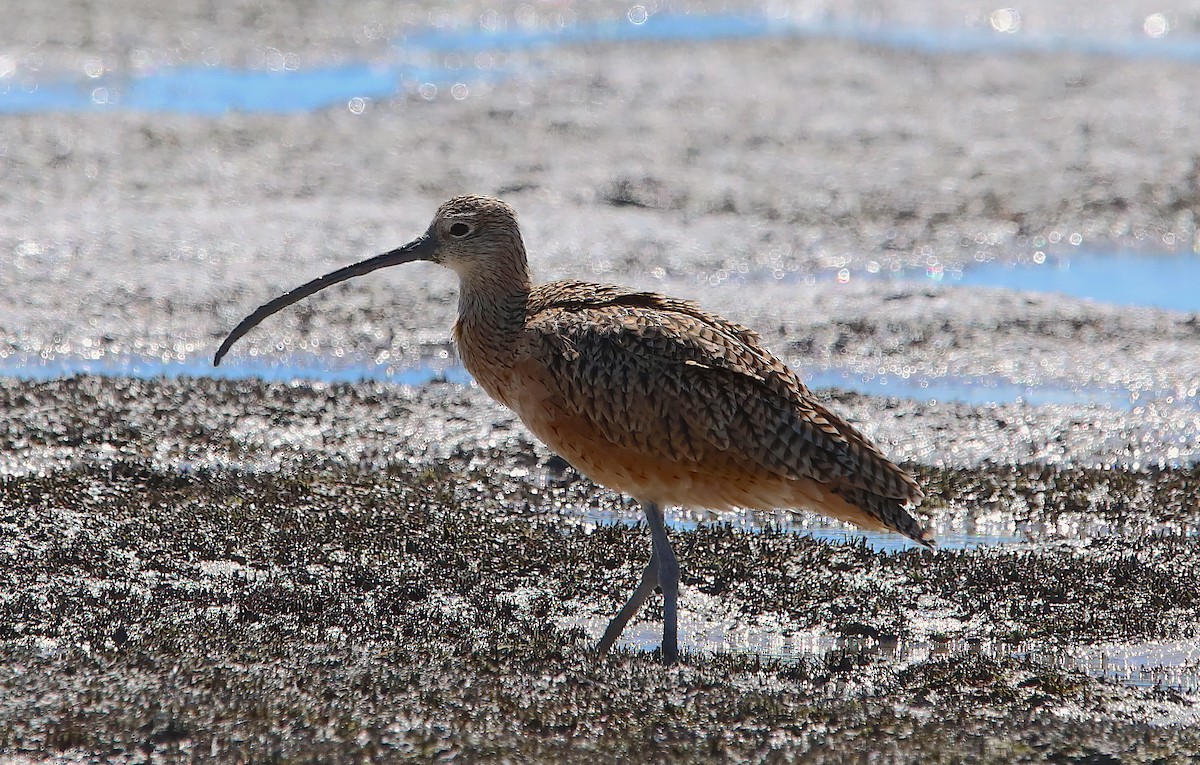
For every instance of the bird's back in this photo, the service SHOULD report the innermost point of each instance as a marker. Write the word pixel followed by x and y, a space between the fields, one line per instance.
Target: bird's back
pixel 657 398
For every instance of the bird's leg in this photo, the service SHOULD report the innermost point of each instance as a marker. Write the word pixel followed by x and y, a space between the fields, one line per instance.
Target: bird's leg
pixel 644 588
pixel 668 579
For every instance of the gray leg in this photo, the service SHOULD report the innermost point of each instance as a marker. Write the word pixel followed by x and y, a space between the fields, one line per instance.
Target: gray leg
pixel 647 585
pixel 668 579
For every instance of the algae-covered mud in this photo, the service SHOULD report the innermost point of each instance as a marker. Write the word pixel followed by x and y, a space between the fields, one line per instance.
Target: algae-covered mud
pixel 200 568
pixel 973 232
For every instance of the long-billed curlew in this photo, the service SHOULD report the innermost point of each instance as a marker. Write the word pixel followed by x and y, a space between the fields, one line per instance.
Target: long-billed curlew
pixel 642 393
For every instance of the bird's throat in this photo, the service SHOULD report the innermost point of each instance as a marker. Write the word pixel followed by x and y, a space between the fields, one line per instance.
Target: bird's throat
pixel 490 320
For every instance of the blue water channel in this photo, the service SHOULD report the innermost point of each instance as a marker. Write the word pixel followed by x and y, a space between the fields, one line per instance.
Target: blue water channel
pixel 215 90
pixel 966 390
pixel 1168 281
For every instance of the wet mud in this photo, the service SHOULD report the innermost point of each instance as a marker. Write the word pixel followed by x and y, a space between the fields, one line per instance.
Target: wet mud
pixel 190 572
pixel 196 569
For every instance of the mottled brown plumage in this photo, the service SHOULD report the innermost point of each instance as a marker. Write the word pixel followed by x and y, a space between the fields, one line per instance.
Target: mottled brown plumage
pixel 643 393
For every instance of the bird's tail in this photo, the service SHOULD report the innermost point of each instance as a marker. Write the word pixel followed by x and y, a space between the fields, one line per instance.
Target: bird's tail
pixel 889 512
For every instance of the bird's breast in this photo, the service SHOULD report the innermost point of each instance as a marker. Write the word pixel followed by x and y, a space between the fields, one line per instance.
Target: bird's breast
pixel 491 361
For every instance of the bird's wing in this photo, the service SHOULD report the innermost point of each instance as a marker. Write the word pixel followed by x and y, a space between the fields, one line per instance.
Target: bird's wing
pixel 665 378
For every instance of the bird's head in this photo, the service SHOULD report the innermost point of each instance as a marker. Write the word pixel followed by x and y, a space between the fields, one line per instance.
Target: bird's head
pixel 471 234
pixel 475 236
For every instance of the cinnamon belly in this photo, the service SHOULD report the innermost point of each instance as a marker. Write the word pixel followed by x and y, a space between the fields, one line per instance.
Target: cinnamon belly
pixel 721 482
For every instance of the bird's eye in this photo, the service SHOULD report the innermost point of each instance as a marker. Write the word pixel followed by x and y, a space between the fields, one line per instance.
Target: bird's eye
pixel 460 229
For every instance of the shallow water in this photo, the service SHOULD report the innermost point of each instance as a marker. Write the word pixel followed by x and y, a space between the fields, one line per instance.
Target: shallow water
pixel 954 527
pixel 1168 663
pixel 285 87
pixel 974 390
pixel 1125 278
pixel 313 368
pixel 284 368
pixel 1165 281
pixel 825 529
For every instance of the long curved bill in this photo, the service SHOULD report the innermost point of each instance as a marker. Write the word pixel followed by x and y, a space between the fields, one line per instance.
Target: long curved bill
pixel 422 248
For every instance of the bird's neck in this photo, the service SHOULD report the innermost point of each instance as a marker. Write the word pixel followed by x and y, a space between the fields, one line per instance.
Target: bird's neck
pixel 491 315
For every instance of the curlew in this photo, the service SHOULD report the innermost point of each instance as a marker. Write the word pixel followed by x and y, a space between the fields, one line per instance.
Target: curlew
pixel 643 393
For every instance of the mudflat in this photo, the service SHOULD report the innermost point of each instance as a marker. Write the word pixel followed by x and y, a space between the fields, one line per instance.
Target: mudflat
pixel 232 568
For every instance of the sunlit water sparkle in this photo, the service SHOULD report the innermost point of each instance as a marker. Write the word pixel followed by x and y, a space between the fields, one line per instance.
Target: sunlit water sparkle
pixel 314 368
pixel 1167 663
pixel 215 90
